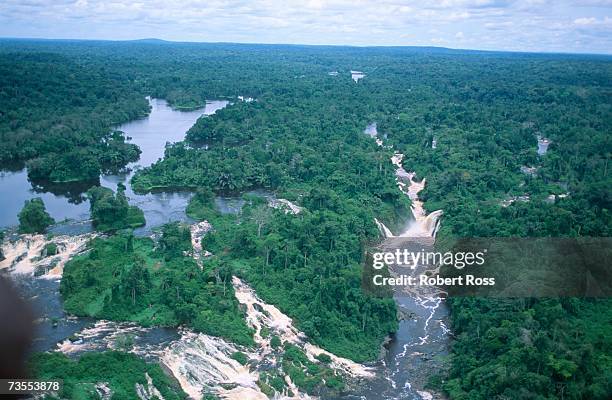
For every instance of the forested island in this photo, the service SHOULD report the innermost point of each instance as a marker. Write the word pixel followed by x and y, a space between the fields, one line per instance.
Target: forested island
pixel 468 122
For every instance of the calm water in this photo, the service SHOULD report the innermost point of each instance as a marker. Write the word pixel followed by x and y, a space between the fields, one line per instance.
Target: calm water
pixel 543 146
pixel 163 125
pixel 52 322
pixel 15 189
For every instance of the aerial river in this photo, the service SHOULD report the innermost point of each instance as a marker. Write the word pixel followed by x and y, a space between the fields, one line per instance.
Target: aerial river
pixel 65 202
pixel 200 362
pixel 414 352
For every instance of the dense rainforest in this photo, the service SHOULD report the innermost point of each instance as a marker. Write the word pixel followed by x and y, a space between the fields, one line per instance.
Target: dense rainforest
pixel 488 178
pixel 126 278
pixel 33 217
pixel 110 211
pixel 58 116
pixel 119 372
pixel 302 138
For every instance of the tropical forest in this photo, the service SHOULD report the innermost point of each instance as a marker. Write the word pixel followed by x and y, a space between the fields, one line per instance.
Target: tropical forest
pixel 193 220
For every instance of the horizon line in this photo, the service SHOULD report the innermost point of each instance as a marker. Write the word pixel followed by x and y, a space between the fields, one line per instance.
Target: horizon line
pixel 154 39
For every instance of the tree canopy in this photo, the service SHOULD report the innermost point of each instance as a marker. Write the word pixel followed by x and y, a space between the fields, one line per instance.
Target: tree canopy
pixel 302 140
pixel 33 217
pixel 111 211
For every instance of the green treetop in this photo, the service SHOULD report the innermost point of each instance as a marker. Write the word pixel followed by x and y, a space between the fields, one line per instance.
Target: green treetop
pixel 111 211
pixel 33 217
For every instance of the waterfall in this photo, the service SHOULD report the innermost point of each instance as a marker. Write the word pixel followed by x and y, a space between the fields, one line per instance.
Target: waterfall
pixel 430 222
pixel 424 304
pixel 203 364
pixel 423 225
pixel 284 204
pixel 386 232
pixel 148 392
pixel 27 254
pixel 261 314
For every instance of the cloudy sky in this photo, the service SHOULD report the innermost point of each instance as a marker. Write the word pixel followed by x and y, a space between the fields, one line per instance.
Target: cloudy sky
pixel 526 25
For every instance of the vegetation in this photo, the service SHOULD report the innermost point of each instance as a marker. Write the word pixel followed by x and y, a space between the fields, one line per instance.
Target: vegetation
pixel 119 372
pixel 33 217
pixel 306 375
pixel 58 114
pixel 308 265
pixel 302 140
pixel 202 206
pixel 240 357
pixel 519 348
pixel 111 212
pixel 528 348
pixel 50 249
pixel 127 278
pixel 312 275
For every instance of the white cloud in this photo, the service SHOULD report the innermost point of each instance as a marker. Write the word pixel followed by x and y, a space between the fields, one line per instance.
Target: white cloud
pixel 585 21
pixel 498 25
pixel 532 25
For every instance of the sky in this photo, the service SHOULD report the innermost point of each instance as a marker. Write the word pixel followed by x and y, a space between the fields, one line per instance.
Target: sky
pixel 515 25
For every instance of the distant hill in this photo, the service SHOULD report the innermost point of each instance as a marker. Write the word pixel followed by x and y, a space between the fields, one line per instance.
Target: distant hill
pixel 150 40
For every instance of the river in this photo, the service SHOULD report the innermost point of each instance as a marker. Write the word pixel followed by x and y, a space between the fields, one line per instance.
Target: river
pixel 411 355
pixel 66 201
pixel 414 353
